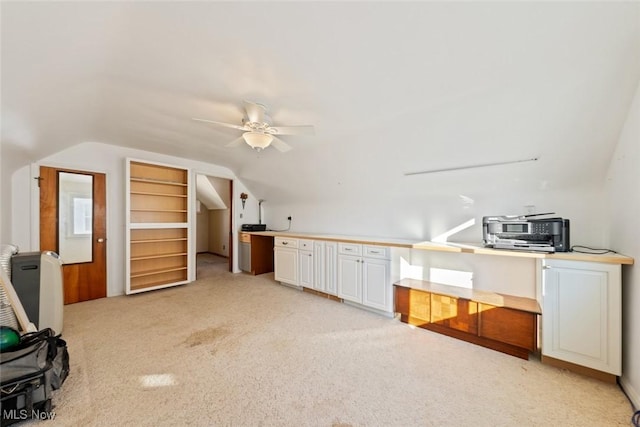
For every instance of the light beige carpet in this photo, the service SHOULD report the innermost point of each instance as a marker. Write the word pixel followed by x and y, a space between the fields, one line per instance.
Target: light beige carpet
pixel 238 350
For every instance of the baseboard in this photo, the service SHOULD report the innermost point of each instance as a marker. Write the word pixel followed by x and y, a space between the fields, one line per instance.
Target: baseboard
pixel 631 393
pixel 579 369
pixel 212 253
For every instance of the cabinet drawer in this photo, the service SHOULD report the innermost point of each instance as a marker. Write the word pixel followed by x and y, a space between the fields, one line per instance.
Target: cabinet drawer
pixel 372 251
pixel 350 248
pixel 305 244
pixel 285 242
pixel 245 237
pixel 507 325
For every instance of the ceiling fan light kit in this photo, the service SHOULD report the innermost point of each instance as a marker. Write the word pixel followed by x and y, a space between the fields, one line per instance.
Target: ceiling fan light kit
pixel 258 141
pixel 258 132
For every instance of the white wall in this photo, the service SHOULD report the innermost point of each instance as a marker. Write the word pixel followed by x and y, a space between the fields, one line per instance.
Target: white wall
pixel 219 231
pixel 107 159
pixel 623 183
pixel 426 216
pixel 510 276
pixel 202 229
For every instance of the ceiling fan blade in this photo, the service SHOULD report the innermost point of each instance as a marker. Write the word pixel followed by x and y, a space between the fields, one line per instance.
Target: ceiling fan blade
pixel 235 142
pixel 292 130
pixel 280 145
pixel 255 112
pixel 229 125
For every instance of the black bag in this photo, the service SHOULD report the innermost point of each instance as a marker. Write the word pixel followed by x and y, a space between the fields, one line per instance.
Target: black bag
pixel 29 372
pixel 27 357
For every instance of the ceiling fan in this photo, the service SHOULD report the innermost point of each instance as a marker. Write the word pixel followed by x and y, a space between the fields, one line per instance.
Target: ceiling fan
pixel 258 130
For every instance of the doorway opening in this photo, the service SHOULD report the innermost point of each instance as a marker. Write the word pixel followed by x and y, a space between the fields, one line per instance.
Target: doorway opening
pixel 214 213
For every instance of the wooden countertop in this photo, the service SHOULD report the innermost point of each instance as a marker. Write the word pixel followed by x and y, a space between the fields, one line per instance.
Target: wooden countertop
pixel 380 241
pixel 477 248
pixel 468 248
pixel 483 297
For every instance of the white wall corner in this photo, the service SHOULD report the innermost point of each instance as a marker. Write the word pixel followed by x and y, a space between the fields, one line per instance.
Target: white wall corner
pixel 622 191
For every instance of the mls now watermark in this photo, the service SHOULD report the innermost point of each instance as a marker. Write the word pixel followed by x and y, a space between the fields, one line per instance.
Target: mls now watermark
pixel 24 414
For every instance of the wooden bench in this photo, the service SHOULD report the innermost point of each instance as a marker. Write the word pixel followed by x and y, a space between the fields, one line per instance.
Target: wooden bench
pixel 500 322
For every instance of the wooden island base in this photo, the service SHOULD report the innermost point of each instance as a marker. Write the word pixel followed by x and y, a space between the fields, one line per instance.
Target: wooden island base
pixel 500 322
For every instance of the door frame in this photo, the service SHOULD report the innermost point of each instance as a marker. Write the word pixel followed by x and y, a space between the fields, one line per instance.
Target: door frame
pixel 232 220
pixel 35 206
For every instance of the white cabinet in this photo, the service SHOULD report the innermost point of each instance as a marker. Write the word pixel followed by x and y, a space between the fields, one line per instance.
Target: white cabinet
pixel 364 275
pixel 305 263
pixel 331 268
pixel 245 256
pixel 325 258
pixel 376 287
pixel 350 278
pixel 581 313
pixel 286 260
pixel 319 276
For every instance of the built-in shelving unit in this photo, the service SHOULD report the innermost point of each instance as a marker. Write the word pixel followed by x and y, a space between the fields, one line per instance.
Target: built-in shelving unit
pixel 158 231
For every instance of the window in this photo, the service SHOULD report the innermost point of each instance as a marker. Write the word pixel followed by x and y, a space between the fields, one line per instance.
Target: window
pixel 82 216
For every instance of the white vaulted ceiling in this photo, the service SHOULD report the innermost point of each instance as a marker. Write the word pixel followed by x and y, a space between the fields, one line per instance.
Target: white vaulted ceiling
pixel 390 87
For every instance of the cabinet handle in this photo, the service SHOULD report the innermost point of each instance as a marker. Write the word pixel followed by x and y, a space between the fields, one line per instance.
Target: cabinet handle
pixel 374 252
pixel 546 267
pixel 285 243
pixel 348 249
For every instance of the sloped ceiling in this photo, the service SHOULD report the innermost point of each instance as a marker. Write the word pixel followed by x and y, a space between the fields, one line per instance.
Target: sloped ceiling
pixel 390 87
pixel 206 193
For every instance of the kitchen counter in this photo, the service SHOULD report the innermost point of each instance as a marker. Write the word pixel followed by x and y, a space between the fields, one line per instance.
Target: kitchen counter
pixel 468 248
pixel 380 241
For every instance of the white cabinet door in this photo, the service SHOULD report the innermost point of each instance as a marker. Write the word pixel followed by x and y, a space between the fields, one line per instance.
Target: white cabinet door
pixel 286 265
pixel 245 256
pixel 331 268
pixel 305 269
pixel 325 259
pixel 350 278
pixel 319 266
pixel 376 289
pixel 581 314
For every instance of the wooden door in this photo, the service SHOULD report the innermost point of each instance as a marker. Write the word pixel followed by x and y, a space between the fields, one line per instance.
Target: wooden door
pixel 85 279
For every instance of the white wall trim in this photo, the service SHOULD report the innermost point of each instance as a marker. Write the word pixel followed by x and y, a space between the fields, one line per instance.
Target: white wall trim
pixel 632 394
